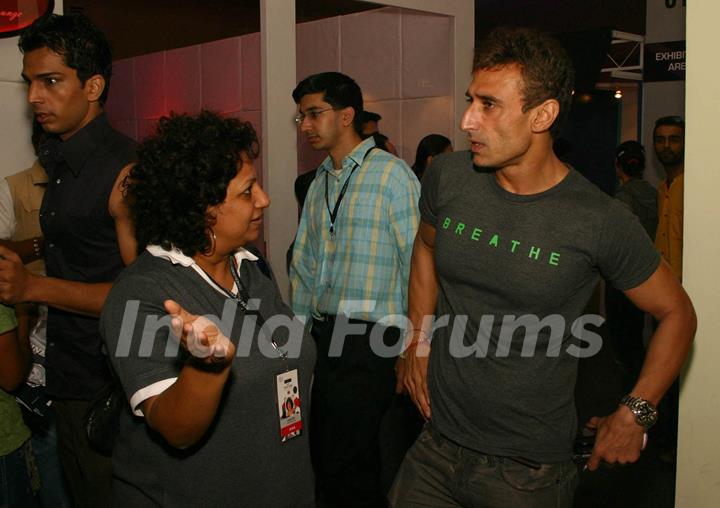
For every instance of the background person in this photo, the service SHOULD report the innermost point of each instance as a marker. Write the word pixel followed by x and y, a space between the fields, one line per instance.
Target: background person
pixel 17 469
pixel 428 147
pixel 206 429
pixel 21 197
pixel 669 144
pixel 352 245
pixel 625 322
pixel 370 128
pixel 67 66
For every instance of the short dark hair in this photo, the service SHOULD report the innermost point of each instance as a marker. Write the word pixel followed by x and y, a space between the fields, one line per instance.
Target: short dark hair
pixel 370 116
pixel 182 169
pixel 339 90
pixel 546 68
pixel 432 144
pixel 630 156
pixel 81 44
pixel 674 120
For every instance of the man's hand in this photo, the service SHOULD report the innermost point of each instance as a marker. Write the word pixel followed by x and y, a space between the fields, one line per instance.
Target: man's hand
pixel 14 278
pixel 199 336
pixel 415 376
pixel 619 438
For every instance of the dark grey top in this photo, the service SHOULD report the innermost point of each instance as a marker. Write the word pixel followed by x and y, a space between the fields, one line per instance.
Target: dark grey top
pixel 641 197
pixel 241 461
pixel 502 257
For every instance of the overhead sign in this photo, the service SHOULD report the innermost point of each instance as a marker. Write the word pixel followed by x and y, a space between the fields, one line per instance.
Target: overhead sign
pixel 18 14
pixel 664 61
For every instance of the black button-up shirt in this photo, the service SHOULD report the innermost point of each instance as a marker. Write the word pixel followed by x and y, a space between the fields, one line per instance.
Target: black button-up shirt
pixel 80 245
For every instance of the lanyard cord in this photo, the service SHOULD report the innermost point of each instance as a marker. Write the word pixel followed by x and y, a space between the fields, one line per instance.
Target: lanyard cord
pixel 333 214
pixel 242 298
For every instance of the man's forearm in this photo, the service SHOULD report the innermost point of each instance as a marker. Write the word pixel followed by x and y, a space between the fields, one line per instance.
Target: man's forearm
pixel 80 297
pixel 423 286
pixel 668 349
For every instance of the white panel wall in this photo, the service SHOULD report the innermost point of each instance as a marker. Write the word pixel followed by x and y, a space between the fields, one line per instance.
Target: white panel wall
pixel 403 61
pixel 698 465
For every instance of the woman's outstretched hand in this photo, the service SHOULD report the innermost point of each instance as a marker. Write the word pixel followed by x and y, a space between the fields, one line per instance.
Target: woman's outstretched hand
pixel 199 336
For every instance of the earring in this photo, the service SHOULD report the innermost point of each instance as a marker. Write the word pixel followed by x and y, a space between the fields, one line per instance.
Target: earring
pixel 211 248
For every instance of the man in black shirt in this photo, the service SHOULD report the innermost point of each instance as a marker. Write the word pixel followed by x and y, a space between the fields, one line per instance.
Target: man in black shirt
pixel 67 66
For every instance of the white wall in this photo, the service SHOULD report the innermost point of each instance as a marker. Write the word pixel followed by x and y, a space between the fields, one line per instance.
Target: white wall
pixel 698 466
pixel 15 127
pixel 404 69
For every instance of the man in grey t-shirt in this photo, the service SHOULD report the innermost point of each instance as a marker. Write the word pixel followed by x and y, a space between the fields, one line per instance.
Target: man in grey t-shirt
pixel 510 247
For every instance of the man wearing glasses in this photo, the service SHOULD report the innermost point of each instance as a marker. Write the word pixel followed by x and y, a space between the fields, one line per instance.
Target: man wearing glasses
pixel 351 260
pixel 669 143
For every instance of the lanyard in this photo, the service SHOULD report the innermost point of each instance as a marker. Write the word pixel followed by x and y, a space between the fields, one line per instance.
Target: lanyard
pixel 242 298
pixel 333 214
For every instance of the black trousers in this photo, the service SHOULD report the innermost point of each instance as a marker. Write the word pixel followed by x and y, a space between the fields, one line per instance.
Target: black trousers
pixel 351 393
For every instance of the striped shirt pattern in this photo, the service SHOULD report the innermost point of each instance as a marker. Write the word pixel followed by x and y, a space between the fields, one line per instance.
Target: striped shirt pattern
pixel 363 272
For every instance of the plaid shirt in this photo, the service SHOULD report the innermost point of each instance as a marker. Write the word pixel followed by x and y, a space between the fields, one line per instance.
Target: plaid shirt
pixel 368 261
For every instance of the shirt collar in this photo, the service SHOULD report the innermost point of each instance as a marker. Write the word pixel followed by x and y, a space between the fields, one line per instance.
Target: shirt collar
pixel 38 176
pixel 356 156
pixel 78 149
pixel 176 256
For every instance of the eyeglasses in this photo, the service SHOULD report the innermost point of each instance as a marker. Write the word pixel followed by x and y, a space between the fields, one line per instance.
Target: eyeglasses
pixel 313 114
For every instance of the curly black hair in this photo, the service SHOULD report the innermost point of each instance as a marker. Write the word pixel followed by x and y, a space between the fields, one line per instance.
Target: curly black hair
pixel 184 168
pixel 547 70
pixel 81 44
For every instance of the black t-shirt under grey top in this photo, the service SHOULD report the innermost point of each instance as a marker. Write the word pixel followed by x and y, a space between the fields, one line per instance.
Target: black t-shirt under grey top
pixel 241 461
pixel 80 245
pixel 504 258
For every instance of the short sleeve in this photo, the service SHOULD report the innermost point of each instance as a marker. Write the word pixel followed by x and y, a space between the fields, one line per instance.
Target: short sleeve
pixel 429 192
pixel 136 330
pixel 626 255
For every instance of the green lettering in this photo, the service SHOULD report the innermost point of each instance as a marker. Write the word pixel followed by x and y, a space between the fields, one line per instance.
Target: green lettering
pixel 515 243
pixel 534 252
pixel 476 234
pixel 447 222
pixel 554 259
pixel 494 241
pixel 459 228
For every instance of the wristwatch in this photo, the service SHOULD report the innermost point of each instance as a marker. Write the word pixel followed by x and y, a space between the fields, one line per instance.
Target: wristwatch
pixel 645 413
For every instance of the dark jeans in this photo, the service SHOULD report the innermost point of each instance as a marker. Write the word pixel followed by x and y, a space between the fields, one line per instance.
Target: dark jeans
pixel 15 478
pixel 350 395
pixel 440 474
pixel 88 473
pixel 45 447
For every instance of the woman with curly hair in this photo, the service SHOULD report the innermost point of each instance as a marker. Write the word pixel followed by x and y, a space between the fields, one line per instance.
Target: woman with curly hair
pixel 207 425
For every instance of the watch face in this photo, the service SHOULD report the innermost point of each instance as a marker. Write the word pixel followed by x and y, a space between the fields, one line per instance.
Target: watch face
pixel 645 413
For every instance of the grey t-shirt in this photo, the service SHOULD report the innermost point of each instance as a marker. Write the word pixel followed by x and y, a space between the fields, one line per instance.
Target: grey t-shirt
pixel 241 461
pixel 507 258
pixel 641 197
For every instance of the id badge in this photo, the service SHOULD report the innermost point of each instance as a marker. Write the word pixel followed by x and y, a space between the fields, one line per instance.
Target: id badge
pixel 288 403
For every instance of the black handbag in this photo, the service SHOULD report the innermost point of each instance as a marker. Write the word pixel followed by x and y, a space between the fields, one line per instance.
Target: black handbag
pixel 102 420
